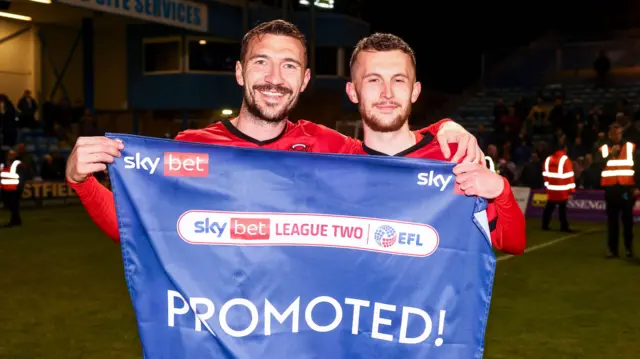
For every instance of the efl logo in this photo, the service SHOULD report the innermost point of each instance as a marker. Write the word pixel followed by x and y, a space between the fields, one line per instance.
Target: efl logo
pixel 250 228
pixel 184 164
pixel 386 236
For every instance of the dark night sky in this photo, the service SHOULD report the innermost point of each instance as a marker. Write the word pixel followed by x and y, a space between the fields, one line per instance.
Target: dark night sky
pixel 449 36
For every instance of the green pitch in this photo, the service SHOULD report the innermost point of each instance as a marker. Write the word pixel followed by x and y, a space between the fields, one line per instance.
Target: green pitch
pixel 64 296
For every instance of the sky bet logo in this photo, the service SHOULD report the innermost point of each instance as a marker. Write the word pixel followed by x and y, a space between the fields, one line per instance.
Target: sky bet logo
pixel 239 228
pixel 176 164
pixel 432 180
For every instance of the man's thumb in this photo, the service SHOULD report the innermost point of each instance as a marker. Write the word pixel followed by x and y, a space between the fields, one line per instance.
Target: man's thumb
pixel 444 146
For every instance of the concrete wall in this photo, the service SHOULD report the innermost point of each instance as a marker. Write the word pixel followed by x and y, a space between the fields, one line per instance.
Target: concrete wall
pixel 18 60
pixel 110 67
pixel 109 62
pixel 58 42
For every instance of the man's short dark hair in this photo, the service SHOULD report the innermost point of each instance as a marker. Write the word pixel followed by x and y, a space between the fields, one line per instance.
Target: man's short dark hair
pixel 559 147
pixel 275 27
pixel 615 126
pixel 382 42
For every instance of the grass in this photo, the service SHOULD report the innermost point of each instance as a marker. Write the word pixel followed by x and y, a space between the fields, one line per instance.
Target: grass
pixel 64 296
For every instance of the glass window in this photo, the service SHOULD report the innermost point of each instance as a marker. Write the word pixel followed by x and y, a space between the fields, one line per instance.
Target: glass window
pixel 327 61
pixel 348 51
pixel 162 55
pixel 207 55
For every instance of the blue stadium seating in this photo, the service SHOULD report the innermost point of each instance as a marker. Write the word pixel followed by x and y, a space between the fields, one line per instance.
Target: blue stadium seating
pixel 37 144
pixel 479 110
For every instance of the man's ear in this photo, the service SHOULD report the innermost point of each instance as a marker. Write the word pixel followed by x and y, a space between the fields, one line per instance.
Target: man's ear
pixel 351 92
pixel 417 88
pixel 305 81
pixel 239 78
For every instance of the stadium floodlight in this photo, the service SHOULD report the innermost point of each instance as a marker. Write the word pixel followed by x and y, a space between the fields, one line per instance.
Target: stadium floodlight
pixel 227 112
pixel 202 42
pixel 15 16
pixel 325 4
pixel 42 1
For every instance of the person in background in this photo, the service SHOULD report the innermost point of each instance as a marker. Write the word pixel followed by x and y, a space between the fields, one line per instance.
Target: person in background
pixel 8 122
pixel 506 168
pixel 557 114
pixel 629 132
pixel 50 170
pixel 577 149
pixel 12 180
pixel 589 177
pixel 537 119
pixel 27 161
pixel 499 110
pixel 88 125
pixel 602 67
pixel 491 158
pixel 522 153
pixel 559 181
pixel 531 175
pixel 484 138
pixel 27 108
pixel 620 177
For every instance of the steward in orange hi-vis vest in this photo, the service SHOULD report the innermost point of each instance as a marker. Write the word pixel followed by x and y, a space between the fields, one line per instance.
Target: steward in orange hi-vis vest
pixel 619 179
pixel 558 176
pixel 12 179
pixel 560 183
pixel 9 177
pixel 618 169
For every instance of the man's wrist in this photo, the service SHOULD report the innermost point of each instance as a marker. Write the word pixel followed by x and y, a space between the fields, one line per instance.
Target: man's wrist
pixel 75 184
pixel 504 196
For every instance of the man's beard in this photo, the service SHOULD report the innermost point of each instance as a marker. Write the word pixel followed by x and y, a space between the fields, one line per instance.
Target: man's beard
pixel 378 125
pixel 271 117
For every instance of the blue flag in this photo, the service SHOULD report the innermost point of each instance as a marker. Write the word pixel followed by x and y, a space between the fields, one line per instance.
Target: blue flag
pixel 250 253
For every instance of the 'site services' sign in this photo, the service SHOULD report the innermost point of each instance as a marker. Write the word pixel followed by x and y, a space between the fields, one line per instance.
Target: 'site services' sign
pixel 179 13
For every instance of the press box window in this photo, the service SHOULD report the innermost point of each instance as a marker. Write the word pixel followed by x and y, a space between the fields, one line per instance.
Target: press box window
pixel 209 56
pixel 348 51
pixel 162 55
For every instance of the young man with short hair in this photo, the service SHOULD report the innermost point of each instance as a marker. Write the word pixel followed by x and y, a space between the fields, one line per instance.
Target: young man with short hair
pixel 384 85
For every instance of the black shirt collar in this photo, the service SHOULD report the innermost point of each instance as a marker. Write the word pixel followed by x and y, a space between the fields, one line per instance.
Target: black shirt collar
pixel 234 130
pixel 426 139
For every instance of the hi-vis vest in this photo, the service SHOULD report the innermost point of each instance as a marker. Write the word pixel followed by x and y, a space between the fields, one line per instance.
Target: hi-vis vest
pixel 558 176
pixel 618 170
pixel 9 178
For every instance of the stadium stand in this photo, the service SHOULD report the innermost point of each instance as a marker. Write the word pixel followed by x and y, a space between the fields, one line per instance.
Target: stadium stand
pixel 549 93
pixel 37 145
pixel 480 109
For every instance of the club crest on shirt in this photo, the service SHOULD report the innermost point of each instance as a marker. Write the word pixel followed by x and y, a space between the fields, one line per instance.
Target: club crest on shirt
pixel 300 147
